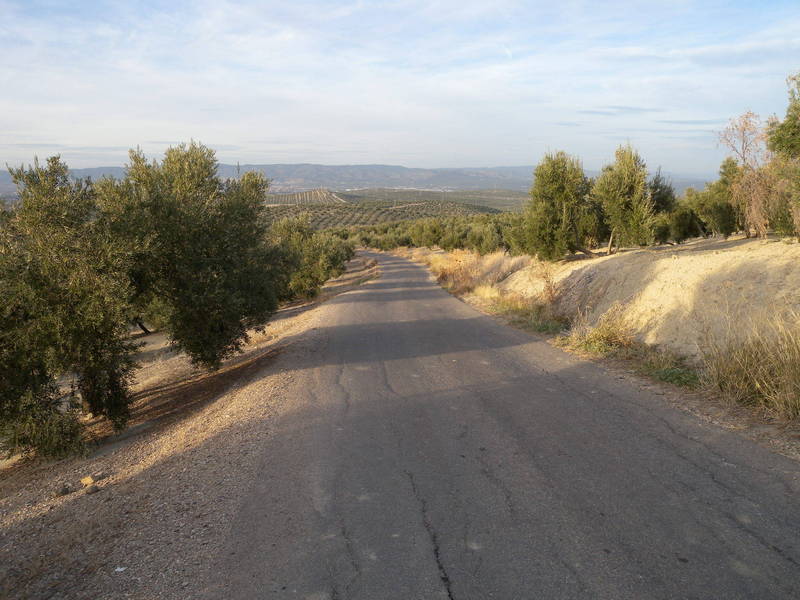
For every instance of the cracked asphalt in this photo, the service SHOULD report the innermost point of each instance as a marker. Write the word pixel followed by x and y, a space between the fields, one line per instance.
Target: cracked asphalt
pixel 428 451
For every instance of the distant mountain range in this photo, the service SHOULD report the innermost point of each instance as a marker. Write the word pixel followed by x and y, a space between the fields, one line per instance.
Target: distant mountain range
pixel 300 177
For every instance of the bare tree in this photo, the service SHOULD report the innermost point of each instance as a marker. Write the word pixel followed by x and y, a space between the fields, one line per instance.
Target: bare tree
pixel 745 137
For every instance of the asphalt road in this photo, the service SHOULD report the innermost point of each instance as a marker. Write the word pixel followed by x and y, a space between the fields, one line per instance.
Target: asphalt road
pixel 431 452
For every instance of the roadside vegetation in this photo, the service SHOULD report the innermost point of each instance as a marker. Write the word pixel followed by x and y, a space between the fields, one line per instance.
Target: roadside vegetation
pixel 170 245
pixel 569 216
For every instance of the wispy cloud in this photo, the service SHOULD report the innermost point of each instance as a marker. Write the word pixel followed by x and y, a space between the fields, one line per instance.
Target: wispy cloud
pixel 614 111
pixel 443 83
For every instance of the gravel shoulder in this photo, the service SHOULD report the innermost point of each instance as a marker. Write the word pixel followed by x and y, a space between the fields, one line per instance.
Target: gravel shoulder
pixel 161 493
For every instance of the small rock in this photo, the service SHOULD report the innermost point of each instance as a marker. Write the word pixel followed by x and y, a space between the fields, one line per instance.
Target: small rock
pixel 120 569
pixel 92 489
pixel 101 475
pixel 87 481
pixel 64 490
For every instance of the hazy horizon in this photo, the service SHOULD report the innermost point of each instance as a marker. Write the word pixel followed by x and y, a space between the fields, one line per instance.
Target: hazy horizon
pixel 417 84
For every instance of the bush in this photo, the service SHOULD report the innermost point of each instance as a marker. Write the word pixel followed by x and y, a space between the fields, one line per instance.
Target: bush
pixel 721 217
pixel 42 422
pixel 623 191
pixel 198 247
pixel 683 224
pixel 307 258
pixel 661 229
pixel 170 242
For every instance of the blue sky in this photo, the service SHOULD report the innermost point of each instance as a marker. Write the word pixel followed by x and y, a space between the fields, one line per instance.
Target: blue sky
pixel 425 84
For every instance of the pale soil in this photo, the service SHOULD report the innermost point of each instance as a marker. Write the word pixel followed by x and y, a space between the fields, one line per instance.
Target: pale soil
pixel 675 296
pixel 167 487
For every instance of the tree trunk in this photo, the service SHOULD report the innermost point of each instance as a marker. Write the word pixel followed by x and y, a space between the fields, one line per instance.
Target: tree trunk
pixel 140 323
pixel 610 242
pixel 586 251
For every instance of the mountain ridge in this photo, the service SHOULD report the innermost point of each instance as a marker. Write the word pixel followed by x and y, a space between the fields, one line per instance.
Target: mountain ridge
pixel 295 177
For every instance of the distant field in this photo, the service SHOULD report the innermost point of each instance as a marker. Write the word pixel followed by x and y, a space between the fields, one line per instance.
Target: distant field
pixel 372 212
pixel 318 196
pixel 502 200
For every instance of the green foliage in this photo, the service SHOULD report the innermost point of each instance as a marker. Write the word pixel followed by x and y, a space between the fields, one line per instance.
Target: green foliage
pixel 308 258
pixel 683 224
pixel 474 201
pixel 326 216
pixel 715 206
pixel 170 242
pixel 557 220
pixel 44 423
pixel 784 136
pixel 661 230
pixel 626 198
pixel 662 193
pixel 63 293
pixel 198 247
pixel 481 233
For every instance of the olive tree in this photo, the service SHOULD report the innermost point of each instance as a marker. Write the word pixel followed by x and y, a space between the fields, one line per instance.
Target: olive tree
pixel 626 198
pixel 63 294
pixel 558 218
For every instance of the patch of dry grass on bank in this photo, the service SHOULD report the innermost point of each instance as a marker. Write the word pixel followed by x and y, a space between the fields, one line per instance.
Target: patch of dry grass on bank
pixel 613 336
pixel 757 364
pixel 521 312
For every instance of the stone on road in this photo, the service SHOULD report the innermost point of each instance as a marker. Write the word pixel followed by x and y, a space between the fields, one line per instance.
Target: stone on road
pixel 431 452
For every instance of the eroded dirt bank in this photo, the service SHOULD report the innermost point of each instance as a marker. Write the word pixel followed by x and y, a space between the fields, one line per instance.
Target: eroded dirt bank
pixel 674 296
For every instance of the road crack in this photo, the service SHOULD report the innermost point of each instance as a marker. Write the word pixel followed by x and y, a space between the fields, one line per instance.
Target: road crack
pixel 443 576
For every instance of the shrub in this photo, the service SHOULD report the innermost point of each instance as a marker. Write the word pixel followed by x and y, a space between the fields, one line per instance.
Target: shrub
pixel 45 424
pixel 661 229
pixel 683 224
pixel 305 259
pixel 198 246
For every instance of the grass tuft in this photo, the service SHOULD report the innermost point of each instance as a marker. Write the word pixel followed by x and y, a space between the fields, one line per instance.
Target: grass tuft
pixel 522 312
pixel 665 366
pixel 758 368
pixel 612 333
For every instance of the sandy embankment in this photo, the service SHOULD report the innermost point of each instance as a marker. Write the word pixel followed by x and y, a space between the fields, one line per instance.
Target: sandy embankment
pixel 675 296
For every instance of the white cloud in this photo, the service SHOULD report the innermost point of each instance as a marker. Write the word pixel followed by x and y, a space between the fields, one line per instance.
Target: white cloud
pixel 413 82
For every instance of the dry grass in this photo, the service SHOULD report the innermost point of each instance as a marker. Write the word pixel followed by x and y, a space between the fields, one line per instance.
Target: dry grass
pixel 462 271
pixel 613 336
pixel 759 366
pixel 522 312
pixel 612 332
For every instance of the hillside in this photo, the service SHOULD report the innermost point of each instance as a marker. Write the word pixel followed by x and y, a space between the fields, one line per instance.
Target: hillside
pixel 323 216
pixel 503 200
pixel 303 177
